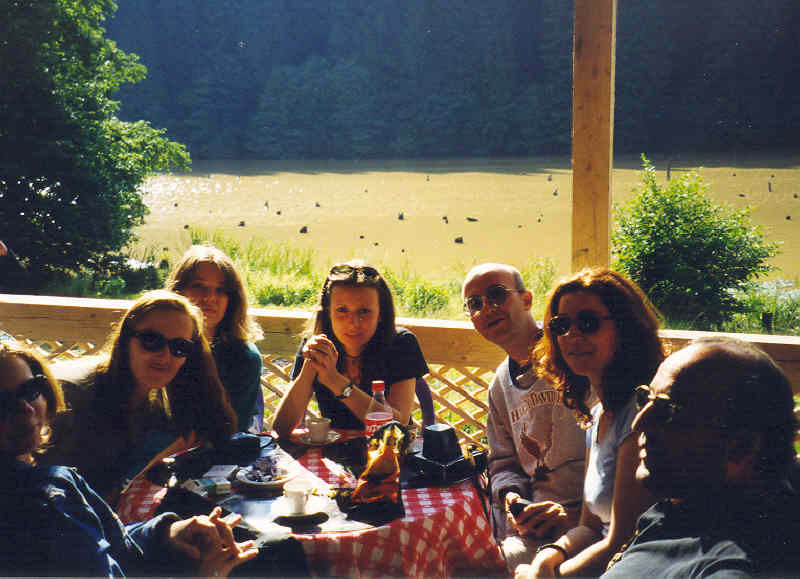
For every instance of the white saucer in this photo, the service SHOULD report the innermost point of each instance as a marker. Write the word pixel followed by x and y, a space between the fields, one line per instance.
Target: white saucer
pixel 305 438
pixel 314 506
pixel 242 480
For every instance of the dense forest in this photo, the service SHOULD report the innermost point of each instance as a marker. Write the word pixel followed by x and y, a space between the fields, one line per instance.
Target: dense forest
pixel 378 78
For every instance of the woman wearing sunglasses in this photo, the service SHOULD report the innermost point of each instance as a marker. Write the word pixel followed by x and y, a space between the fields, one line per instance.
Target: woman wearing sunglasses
pixel 52 522
pixel 353 341
pixel 600 343
pixel 154 392
pixel 209 279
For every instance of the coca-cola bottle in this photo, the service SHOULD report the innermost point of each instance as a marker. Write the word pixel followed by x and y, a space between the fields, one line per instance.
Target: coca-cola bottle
pixel 378 412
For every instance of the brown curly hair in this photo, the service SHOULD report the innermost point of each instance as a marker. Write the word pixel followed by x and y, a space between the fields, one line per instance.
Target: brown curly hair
pixel 639 350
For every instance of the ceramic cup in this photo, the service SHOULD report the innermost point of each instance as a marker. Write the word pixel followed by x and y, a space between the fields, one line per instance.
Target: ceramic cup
pixel 318 428
pixel 297 492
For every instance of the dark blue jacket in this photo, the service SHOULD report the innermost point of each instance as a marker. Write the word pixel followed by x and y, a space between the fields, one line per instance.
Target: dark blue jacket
pixel 53 523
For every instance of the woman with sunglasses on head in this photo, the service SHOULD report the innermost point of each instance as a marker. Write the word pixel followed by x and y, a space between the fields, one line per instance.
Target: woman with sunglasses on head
pixel 209 279
pixel 600 343
pixel 53 522
pixel 353 341
pixel 155 392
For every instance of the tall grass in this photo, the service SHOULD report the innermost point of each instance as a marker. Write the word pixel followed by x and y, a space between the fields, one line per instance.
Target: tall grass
pixel 278 274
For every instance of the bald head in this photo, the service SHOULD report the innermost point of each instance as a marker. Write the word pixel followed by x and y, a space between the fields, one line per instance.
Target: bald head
pixel 500 308
pixel 493 268
pixel 725 416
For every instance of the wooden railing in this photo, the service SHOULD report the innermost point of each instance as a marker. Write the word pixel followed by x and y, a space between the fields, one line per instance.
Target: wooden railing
pixel 461 362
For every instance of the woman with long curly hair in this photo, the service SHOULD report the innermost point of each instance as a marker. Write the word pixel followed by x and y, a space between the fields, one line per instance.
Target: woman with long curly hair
pixel 210 280
pixel 154 391
pixel 352 341
pixel 600 343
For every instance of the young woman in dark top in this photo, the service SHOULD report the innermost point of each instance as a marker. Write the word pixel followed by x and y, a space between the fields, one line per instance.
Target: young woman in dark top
pixel 209 279
pixel 352 341
pixel 155 391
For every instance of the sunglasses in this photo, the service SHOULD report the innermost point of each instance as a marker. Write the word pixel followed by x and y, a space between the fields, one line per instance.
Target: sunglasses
pixel 28 391
pixel 496 296
pixel 153 341
pixel 665 408
pixel 587 322
pixel 345 270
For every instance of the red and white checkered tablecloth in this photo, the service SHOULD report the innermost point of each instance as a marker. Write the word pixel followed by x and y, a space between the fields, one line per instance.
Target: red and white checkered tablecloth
pixel 140 500
pixel 444 531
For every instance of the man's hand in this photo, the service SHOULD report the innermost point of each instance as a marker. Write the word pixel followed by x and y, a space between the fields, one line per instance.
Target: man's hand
pixel 209 539
pixel 536 519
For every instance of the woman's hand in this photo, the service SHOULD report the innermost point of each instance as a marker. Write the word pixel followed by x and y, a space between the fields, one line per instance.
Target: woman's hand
pixel 209 539
pixel 320 352
pixel 536 519
pixel 543 565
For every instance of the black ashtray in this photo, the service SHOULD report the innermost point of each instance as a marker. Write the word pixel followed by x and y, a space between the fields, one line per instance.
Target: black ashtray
pixel 441 460
pixel 440 443
pixel 305 522
pixel 431 472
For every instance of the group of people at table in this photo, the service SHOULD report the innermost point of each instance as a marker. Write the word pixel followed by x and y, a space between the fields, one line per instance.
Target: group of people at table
pixel 605 455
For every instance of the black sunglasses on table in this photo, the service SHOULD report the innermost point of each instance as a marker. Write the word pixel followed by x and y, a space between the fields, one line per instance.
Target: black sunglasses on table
pixel 496 296
pixel 28 391
pixel 586 321
pixel 153 341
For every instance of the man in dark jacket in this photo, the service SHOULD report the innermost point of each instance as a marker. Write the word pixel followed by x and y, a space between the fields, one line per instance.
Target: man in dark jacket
pixel 716 432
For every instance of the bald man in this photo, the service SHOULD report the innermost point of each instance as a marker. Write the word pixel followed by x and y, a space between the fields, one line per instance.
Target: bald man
pixel 536 449
pixel 716 431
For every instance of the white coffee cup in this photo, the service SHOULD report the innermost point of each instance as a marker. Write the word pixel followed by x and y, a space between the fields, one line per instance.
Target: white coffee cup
pixel 318 428
pixel 297 492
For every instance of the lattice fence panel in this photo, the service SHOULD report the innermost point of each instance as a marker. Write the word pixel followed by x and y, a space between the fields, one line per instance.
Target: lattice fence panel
pixel 57 350
pixel 459 395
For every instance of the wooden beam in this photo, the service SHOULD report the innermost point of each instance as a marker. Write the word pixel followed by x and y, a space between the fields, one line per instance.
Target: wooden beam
pixel 592 131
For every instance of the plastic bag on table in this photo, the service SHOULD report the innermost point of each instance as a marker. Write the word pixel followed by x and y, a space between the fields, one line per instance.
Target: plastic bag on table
pixel 376 498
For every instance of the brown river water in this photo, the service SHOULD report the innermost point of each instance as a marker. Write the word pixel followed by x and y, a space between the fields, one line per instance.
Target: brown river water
pixel 410 213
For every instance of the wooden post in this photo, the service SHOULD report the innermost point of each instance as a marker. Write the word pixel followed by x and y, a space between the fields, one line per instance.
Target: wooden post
pixel 592 131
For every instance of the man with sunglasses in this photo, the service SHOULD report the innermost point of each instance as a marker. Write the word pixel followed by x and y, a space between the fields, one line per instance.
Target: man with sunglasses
pixel 536 449
pixel 716 430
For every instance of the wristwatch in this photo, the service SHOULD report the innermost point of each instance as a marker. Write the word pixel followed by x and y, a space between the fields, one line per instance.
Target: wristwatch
pixel 348 390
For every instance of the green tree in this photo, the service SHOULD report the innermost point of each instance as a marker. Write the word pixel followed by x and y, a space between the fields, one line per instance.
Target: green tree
pixel 70 169
pixel 686 252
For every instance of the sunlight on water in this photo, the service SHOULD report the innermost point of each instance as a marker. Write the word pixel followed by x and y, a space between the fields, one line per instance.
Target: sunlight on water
pixel 404 212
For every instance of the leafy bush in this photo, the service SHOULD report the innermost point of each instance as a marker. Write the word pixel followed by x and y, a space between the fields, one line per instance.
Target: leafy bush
pixel 687 253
